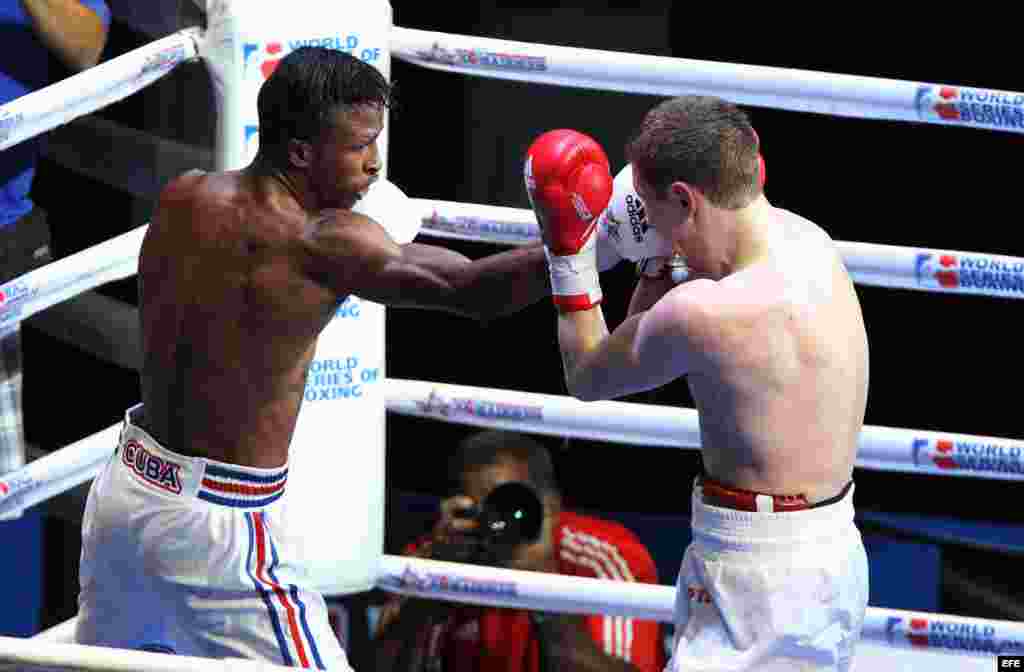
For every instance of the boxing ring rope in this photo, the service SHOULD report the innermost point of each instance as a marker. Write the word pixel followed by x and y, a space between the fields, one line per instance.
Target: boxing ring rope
pixel 891 266
pixel 515 589
pixel 53 654
pixel 495 587
pixel 96 88
pixel 879 448
pixel 761 86
pixel 888 266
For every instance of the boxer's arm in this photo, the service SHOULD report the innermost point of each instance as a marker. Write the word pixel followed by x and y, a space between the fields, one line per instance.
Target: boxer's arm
pixel 74 32
pixel 352 254
pixel 492 286
pixel 656 276
pixel 648 291
pixel 646 351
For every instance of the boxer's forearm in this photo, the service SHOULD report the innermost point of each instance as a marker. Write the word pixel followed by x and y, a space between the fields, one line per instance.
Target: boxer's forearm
pixel 505 283
pixel 72 31
pixel 580 333
pixel 599 365
pixel 568 646
pixel 647 293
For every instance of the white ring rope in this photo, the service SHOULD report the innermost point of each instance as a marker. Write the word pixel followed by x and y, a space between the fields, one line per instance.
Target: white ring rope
pixel 495 587
pixel 95 88
pixel 879 448
pixel 892 266
pixel 26 295
pixel 780 88
pixel 51 654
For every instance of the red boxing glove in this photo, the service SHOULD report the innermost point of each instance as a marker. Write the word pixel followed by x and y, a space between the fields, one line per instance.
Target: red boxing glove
pixel 569 184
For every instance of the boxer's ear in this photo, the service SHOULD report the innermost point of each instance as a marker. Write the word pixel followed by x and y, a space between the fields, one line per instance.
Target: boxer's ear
pixel 300 153
pixel 681 191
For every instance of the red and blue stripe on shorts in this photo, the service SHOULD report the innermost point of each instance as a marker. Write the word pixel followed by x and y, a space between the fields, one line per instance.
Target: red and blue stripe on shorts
pixel 286 609
pixel 242 489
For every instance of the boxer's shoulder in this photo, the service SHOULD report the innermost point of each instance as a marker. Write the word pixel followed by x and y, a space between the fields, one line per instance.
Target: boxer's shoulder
pixel 339 241
pixel 200 189
pixel 186 185
pixel 721 316
pixel 334 227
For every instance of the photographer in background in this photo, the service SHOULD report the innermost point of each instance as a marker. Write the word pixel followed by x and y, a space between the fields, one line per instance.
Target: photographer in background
pixel 494 518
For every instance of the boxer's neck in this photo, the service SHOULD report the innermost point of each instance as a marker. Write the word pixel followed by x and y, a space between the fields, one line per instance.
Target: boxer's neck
pixel 752 234
pixel 285 187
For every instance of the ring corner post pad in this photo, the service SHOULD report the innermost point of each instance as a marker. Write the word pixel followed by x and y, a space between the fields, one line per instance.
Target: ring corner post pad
pixel 333 508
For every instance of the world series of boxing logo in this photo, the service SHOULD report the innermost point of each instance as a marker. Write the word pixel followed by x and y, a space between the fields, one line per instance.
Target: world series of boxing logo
pixel 968 455
pixel 969 271
pixel 939 633
pixel 971 107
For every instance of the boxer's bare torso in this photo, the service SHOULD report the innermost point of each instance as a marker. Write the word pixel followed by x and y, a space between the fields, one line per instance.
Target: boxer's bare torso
pixel 237 280
pixel 230 317
pixel 781 385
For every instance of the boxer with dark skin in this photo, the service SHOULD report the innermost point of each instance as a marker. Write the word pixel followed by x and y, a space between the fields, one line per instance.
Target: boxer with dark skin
pixel 240 271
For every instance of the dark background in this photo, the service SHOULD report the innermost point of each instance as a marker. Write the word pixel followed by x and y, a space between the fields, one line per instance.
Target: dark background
pixel 938 362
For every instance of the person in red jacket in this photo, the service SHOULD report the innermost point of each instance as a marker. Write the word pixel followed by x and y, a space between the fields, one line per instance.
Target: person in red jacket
pixel 417 634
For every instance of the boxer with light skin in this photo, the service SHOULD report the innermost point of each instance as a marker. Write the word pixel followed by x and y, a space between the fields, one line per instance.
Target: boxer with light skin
pixel 769 334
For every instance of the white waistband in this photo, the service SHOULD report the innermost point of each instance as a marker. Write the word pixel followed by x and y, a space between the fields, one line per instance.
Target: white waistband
pixel 751 529
pixel 209 480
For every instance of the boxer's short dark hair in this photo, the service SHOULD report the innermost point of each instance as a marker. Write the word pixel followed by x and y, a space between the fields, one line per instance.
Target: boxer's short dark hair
pixel 704 141
pixel 300 97
pixel 483 449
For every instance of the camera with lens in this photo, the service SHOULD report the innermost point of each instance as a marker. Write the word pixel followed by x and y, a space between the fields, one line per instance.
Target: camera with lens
pixel 510 515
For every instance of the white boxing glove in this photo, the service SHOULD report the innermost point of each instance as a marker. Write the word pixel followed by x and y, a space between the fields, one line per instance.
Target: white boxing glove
pixel 623 224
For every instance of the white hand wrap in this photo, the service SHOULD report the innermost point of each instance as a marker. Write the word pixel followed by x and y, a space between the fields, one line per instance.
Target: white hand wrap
pixel 574 279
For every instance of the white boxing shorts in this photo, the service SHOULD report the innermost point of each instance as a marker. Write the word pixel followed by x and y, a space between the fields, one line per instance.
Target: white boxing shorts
pixel 184 555
pixel 770 591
